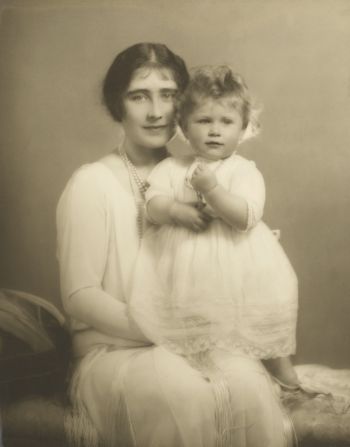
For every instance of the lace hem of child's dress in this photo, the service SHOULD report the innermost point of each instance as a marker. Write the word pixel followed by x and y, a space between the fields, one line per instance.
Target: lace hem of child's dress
pixel 197 345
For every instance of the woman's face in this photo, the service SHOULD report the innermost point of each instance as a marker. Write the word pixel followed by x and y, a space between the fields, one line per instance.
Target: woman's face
pixel 148 119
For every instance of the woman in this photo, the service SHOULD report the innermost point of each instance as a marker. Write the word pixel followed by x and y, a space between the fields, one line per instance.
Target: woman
pixel 136 394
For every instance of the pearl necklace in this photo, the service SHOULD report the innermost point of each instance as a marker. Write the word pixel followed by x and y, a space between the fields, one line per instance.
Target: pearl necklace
pixel 138 188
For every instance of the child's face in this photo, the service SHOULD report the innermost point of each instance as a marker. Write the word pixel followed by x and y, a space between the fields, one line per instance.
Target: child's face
pixel 214 128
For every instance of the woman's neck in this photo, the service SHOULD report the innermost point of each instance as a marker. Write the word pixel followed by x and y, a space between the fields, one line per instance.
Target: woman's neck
pixel 141 156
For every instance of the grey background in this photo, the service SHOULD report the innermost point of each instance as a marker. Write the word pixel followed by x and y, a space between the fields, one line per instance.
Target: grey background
pixel 295 56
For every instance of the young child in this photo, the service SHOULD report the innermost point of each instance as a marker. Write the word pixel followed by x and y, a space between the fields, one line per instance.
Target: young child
pixel 210 274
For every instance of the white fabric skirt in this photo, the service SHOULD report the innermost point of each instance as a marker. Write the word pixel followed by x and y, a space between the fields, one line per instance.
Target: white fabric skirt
pixel 192 291
pixel 150 397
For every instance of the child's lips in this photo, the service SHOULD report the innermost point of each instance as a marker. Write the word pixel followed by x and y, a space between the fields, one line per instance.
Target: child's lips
pixel 213 144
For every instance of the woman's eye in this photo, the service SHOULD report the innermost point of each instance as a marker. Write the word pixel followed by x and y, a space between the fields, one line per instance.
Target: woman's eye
pixel 138 98
pixel 168 95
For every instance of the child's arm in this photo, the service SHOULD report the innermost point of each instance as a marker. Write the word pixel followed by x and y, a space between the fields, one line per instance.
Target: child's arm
pixel 162 207
pixel 164 210
pixel 232 208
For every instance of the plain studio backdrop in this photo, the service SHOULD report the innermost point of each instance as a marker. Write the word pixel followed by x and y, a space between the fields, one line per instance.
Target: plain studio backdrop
pixel 295 57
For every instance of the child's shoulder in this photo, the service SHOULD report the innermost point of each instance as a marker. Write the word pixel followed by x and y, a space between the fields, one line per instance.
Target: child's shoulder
pixel 238 165
pixel 239 161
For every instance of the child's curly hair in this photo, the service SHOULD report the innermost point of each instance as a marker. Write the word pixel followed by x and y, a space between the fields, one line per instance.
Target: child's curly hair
pixel 218 82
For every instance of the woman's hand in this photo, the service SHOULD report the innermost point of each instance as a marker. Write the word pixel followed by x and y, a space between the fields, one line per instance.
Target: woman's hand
pixel 203 179
pixel 189 216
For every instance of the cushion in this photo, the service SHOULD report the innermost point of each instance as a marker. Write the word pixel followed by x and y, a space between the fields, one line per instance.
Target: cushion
pixel 321 413
pixel 34 357
pixel 35 421
pixel 34 346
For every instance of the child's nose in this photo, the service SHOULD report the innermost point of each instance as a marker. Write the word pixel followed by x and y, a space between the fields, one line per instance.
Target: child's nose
pixel 214 130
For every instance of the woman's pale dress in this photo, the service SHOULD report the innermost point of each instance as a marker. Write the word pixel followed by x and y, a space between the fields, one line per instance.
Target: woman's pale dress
pixel 145 397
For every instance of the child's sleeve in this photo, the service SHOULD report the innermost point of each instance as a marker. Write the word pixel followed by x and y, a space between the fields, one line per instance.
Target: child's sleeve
pixel 248 183
pixel 160 183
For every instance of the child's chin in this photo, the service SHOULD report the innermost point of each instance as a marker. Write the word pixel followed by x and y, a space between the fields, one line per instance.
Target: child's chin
pixel 213 157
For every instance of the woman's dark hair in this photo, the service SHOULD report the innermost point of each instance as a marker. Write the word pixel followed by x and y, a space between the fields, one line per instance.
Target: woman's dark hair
pixel 153 55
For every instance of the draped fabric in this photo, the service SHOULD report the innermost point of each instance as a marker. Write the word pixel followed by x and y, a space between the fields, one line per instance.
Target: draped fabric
pixel 145 397
pixel 151 397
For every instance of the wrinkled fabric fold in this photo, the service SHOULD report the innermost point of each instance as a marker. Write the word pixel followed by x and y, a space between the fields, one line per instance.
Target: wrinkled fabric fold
pixel 151 397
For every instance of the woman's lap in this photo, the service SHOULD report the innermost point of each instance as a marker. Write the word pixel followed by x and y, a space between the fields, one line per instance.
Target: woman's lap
pixel 255 403
pixel 169 404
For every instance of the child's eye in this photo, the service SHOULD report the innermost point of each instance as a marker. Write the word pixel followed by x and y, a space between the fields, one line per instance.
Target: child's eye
pixel 203 120
pixel 227 121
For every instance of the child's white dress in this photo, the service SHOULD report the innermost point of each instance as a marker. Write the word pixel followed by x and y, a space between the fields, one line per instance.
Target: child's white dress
pixel 221 288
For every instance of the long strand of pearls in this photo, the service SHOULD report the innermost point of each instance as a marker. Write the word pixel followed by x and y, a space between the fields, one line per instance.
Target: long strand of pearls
pixel 139 195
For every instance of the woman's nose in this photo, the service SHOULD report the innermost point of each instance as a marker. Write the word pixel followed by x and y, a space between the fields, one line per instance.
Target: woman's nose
pixel 155 111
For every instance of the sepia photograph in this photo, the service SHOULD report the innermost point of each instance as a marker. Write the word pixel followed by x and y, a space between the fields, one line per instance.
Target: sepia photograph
pixel 174 223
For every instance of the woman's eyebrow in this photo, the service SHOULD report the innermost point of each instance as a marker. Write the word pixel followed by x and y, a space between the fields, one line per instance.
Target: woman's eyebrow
pixel 168 89
pixel 139 90
pixel 145 90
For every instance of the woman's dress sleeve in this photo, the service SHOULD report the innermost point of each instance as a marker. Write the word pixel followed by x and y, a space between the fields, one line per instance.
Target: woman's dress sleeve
pixel 82 232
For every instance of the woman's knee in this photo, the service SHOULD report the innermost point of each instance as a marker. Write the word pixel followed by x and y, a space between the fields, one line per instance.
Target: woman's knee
pixel 169 377
pixel 249 381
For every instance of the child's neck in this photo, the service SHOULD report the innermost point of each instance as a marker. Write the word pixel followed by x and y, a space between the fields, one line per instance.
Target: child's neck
pixel 209 160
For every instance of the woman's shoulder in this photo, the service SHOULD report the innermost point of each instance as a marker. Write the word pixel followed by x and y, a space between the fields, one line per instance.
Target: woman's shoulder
pixel 102 171
pixel 88 176
pixel 89 180
pixel 89 170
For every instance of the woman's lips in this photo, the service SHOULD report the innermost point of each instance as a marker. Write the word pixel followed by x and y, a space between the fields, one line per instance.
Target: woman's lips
pixel 155 128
